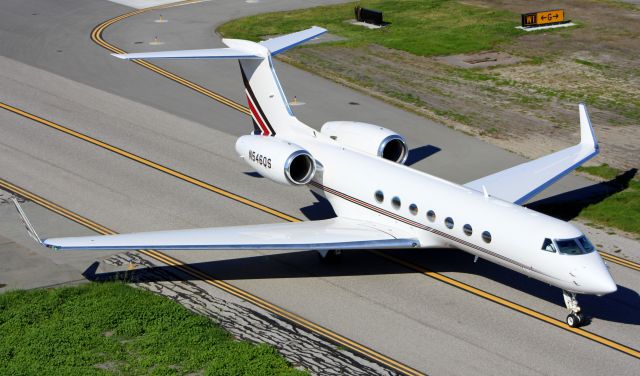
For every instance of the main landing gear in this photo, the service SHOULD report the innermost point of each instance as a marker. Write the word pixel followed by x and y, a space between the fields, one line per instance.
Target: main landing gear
pixel 575 318
pixel 330 256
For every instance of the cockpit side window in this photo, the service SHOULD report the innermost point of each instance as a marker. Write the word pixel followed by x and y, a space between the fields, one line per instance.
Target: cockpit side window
pixel 548 246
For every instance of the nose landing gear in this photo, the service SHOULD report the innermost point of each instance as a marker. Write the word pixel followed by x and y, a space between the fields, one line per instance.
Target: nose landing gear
pixel 575 318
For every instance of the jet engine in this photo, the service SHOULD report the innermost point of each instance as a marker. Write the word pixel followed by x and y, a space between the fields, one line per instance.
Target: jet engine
pixel 276 159
pixel 369 138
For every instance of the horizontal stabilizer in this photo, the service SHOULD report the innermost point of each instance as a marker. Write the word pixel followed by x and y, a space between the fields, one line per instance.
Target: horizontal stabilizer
pixel 212 53
pixel 285 42
pixel 238 49
pixel 520 183
pixel 328 234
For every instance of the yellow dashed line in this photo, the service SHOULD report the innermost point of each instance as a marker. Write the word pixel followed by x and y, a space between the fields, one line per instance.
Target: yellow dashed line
pixel 149 163
pixel 516 307
pixel 159 256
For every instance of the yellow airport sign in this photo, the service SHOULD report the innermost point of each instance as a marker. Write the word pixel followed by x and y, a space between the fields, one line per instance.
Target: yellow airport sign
pixel 543 18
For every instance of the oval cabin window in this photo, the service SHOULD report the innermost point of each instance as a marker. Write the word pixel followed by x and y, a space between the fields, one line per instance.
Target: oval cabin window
pixel 413 208
pixel 379 196
pixel 448 222
pixel 467 229
pixel 395 202
pixel 486 236
pixel 431 215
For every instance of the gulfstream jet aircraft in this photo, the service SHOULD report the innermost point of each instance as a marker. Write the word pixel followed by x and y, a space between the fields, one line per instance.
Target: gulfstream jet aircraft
pixel 397 207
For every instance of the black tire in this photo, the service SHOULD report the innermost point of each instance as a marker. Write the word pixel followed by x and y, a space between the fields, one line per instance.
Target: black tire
pixel 574 320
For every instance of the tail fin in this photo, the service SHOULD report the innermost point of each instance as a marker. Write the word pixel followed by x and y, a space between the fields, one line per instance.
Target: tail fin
pixel 269 107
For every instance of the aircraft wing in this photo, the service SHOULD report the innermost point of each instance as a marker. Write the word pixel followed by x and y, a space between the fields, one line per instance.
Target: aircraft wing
pixel 327 234
pixel 518 184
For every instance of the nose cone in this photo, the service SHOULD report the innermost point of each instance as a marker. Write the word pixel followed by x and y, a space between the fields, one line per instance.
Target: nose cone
pixel 593 276
pixel 608 285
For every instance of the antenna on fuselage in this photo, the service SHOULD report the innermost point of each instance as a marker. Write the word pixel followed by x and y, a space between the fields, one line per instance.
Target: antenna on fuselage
pixel 484 190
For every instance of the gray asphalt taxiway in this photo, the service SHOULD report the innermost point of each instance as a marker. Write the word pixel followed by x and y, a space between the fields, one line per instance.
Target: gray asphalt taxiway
pixel 51 68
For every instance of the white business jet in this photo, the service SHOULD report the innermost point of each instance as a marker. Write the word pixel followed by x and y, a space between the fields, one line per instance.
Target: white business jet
pixel 397 207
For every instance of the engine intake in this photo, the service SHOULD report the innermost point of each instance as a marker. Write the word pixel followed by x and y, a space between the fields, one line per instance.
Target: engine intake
pixel 300 167
pixel 369 138
pixel 276 159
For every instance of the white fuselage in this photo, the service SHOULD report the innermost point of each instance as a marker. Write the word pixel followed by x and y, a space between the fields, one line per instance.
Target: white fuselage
pixel 350 179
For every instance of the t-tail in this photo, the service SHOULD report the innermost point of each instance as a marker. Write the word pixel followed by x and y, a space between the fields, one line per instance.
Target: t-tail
pixel 269 108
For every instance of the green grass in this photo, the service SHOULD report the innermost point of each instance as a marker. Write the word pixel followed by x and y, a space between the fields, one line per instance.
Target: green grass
pixel 604 171
pixel 424 28
pixel 620 210
pixel 592 64
pixel 77 330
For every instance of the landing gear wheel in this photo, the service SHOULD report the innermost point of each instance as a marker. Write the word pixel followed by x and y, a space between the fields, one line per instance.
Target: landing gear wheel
pixel 575 317
pixel 332 256
pixel 574 320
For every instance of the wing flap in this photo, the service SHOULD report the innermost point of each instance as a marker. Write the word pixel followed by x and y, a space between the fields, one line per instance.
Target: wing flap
pixel 334 233
pixel 520 183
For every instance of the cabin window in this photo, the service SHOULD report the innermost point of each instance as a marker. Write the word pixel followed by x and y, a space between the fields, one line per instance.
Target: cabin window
pixel 486 236
pixel 448 222
pixel 431 215
pixel 413 208
pixel 467 229
pixel 379 196
pixel 395 202
pixel 548 246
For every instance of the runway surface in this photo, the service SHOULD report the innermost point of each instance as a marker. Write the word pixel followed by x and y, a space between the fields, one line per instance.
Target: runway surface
pixel 416 320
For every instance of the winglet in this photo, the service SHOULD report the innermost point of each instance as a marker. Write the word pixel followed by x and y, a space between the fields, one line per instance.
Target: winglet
pixel 587 135
pixel 30 230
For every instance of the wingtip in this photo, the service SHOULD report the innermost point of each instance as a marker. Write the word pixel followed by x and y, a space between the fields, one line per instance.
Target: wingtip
pixel 587 134
pixel 319 28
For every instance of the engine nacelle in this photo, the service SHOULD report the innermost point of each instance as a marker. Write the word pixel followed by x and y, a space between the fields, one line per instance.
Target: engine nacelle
pixel 369 138
pixel 276 159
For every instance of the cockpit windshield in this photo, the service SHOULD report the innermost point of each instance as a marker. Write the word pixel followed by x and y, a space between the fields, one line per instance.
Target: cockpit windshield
pixel 576 246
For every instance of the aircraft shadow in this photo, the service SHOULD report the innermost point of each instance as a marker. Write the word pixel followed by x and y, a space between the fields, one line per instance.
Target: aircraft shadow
pixel 420 153
pixel 321 209
pixel 568 205
pixel 622 306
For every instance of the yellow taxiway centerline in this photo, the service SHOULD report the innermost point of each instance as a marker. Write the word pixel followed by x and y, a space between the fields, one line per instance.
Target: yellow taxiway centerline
pixel 475 291
pixel 171 261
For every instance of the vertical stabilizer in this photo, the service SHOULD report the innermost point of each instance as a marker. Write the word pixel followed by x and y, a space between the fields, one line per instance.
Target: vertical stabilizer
pixel 269 108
